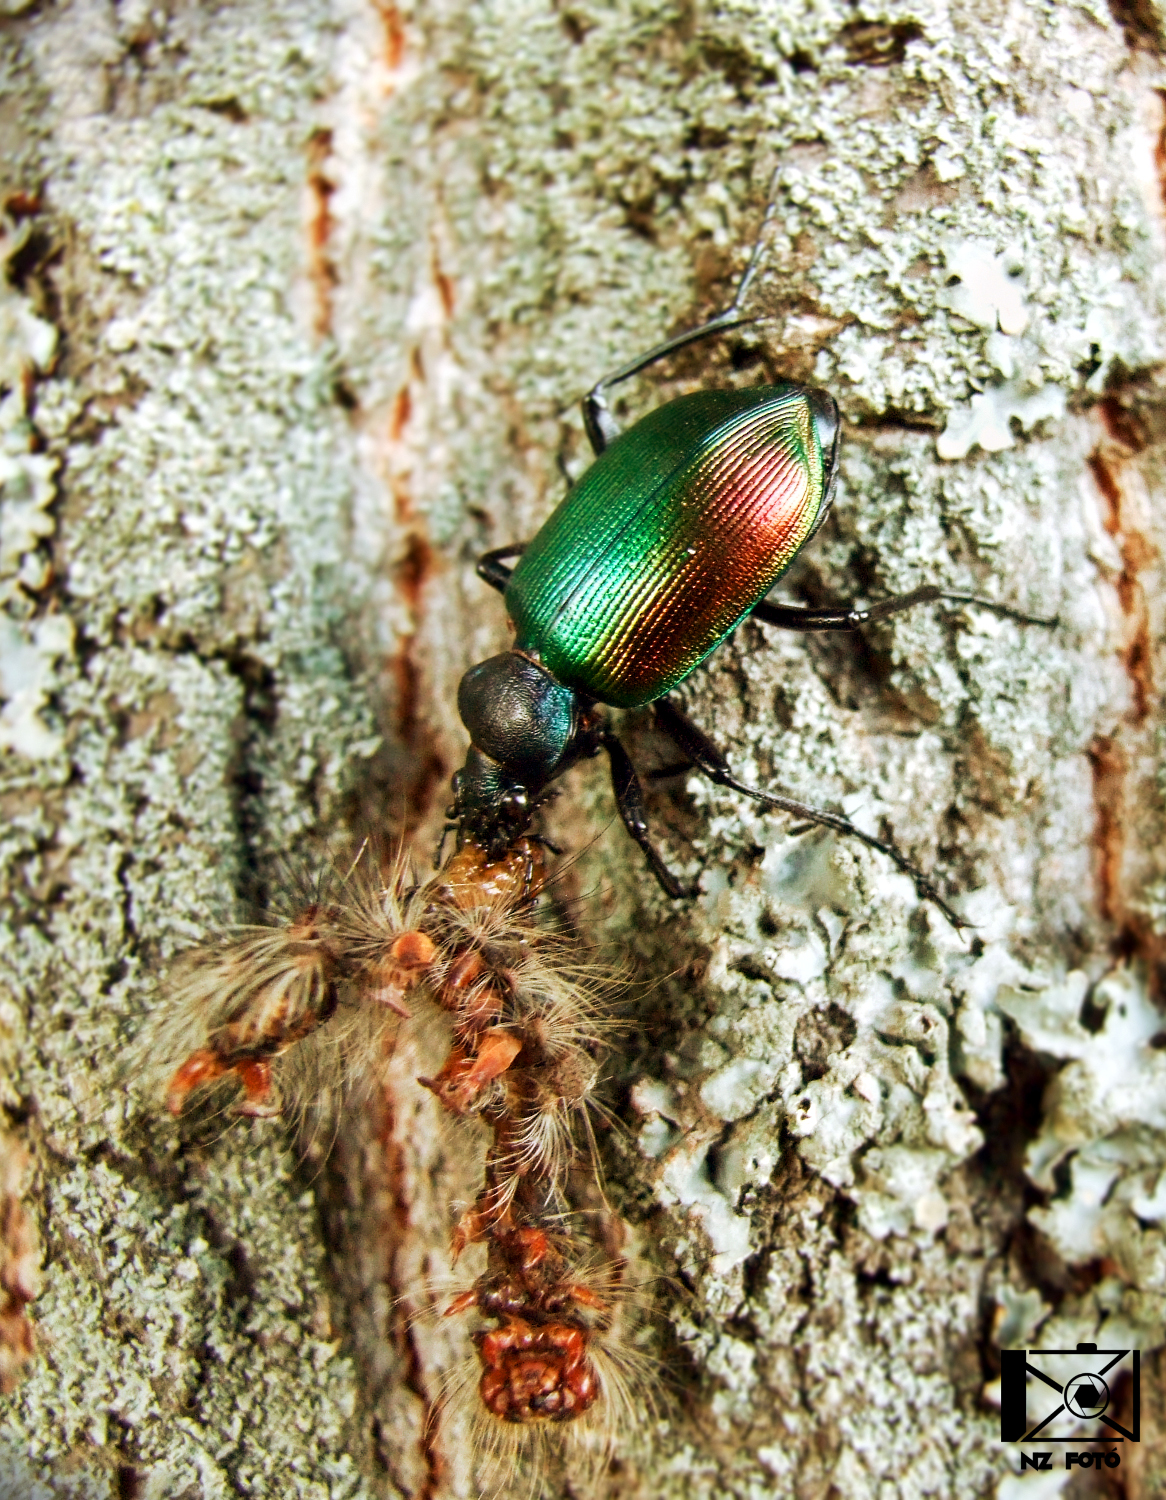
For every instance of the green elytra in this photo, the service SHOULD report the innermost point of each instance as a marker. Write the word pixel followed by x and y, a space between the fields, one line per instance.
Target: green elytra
pixel 669 540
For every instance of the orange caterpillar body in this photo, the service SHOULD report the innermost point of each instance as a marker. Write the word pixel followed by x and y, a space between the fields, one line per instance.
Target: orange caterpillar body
pixel 306 1004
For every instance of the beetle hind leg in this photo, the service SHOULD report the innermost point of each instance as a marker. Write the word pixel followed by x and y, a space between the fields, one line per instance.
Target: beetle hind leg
pixel 711 763
pixel 850 617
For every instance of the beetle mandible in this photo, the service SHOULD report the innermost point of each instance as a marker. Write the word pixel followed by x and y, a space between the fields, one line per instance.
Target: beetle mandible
pixel 673 537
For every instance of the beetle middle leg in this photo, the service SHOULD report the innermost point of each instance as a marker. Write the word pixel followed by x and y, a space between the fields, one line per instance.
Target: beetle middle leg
pixel 848 617
pixel 629 798
pixel 491 566
pixel 711 763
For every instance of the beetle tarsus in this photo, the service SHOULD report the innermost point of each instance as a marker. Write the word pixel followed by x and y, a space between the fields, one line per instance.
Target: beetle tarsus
pixel 1008 611
pixel 602 427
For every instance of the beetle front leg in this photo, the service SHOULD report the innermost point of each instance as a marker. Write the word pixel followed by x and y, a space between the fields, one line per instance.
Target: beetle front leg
pixel 711 763
pixel 629 798
pixel 848 617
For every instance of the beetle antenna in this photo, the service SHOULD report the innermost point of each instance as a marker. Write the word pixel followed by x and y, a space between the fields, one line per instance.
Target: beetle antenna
pixel 730 317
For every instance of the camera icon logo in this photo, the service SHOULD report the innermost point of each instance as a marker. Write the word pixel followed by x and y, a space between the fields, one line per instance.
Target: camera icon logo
pixel 1082 1395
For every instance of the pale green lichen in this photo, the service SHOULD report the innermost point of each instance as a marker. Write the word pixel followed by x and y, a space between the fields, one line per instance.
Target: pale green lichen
pixel 584 181
pixel 29 651
pixel 147 1330
pixel 187 1331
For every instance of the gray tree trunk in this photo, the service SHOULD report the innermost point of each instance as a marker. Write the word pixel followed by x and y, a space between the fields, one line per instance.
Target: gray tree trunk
pixel 300 300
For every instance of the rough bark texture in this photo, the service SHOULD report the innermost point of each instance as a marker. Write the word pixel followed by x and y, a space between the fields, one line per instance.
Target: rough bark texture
pixel 300 299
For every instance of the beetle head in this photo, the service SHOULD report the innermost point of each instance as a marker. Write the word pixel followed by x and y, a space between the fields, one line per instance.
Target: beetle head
pixel 521 723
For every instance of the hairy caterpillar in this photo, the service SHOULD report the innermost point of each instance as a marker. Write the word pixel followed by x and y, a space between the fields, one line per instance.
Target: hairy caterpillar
pixel 302 1009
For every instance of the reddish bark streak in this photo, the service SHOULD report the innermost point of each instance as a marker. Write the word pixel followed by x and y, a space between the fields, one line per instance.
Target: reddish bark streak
pixel 402 411
pixel 1138 663
pixel 1160 148
pixel 444 286
pixel 1137 553
pixel 1124 425
pixel 412 572
pixel 321 268
pixel 394 34
pixel 1108 761
pixel 414 569
pixel 405 680
pixel 1110 490
pixel 1109 756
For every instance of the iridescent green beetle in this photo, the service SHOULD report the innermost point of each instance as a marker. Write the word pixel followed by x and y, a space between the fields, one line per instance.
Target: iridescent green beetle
pixel 674 536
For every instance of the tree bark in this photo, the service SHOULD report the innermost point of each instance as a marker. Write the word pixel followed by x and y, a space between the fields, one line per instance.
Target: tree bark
pixel 300 301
